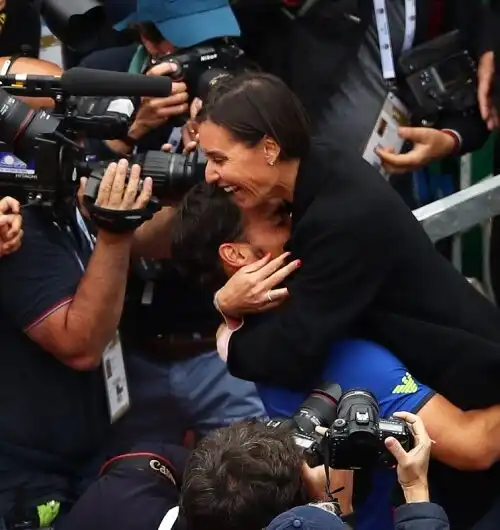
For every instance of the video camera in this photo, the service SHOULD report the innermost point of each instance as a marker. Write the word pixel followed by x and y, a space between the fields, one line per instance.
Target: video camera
pixel 201 67
pixel 50 146
pixel 355 432
pixel 440 76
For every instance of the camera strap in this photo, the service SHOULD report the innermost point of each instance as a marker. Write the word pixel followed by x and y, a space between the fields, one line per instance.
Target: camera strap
pixel 384 35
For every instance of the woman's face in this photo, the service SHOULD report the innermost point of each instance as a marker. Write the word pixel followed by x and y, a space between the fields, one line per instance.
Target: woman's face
pixel 243 171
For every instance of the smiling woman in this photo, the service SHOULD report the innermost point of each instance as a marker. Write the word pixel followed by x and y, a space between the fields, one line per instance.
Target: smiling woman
pixel 367 268
pixel 254 133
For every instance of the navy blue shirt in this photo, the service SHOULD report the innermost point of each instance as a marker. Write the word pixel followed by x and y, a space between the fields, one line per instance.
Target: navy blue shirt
pixel 363 365
pixel 52 418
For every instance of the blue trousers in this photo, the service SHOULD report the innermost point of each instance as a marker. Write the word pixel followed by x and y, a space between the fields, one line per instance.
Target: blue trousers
pixel 169 398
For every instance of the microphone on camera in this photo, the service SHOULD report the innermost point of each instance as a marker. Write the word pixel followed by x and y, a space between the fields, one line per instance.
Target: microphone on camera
pixel 87 82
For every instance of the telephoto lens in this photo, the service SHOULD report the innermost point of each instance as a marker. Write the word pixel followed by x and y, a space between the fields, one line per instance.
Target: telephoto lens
pixel 173 174
pixel 20 125
pixel 319 409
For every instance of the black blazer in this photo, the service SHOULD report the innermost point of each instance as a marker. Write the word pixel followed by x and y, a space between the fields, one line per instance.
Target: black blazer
pixel 313 54
pixel 369 270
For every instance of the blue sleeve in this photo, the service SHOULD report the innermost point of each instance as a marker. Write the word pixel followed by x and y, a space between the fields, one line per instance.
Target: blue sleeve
pixel 358 364
pixel 366 365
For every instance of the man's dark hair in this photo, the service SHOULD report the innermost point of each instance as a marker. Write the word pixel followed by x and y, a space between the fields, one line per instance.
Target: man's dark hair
pixel 206 219
pixel 241 477
pixel 254 105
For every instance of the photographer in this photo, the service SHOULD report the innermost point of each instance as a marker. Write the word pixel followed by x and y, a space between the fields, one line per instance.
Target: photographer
pixel 164 28
pixel 267 470
pixel 465 441
pixel 61 298
pixel 417 514
pixel 170 325
pixel 11 232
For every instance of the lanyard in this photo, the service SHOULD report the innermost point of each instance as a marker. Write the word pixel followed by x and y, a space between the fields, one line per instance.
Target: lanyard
pixel 384 34
pixel 86 233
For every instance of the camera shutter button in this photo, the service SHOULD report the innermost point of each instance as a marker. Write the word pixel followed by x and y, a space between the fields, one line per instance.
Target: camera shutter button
pixel 339 423
pixel 297 523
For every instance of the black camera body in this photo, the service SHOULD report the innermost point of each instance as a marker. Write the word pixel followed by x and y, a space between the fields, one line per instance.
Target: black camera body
pixel 355 436
pixel 440 75
pixel 49 143
pixel 201 67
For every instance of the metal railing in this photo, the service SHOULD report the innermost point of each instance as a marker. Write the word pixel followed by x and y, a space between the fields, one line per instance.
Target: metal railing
pixel 456 214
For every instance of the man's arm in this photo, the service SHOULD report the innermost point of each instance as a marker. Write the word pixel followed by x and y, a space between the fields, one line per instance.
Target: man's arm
pixel 44 293
pixel 468 441
pixel 471 129
pixel 78 332
pixel 152 240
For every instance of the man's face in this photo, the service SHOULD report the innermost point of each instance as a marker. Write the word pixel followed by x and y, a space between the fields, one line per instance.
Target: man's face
pixel 266 230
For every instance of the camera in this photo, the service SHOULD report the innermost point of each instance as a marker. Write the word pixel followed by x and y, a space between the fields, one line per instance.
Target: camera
pixel 440 75
pixel 47 156
pixel 355 433
pixel 201 67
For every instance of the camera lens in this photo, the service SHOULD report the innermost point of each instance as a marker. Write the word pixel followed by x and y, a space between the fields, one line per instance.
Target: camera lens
pixel 20 125
pixel 173 174
pixel 209 79
pixel 319 409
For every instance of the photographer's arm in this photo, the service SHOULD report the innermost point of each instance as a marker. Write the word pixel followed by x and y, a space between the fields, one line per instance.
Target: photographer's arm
pixel 78 331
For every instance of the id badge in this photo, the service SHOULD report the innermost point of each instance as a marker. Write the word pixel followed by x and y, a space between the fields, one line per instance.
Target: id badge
pixel 394 114
pixel 115 378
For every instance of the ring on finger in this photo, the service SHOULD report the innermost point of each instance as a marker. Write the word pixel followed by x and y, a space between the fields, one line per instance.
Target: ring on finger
pixel 269 296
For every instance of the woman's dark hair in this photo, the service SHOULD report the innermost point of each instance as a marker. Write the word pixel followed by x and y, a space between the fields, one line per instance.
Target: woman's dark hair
pixel 254 105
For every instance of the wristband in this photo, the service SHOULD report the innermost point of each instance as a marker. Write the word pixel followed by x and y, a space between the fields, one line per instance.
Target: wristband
pixel 456 137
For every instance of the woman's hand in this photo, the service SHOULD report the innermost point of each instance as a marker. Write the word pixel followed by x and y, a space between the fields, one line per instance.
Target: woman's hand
pixel 11 223
pixel 252 288
pixel 412 466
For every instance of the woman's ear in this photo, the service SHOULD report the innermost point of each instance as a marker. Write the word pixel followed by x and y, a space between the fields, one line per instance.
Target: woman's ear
pixel 271 150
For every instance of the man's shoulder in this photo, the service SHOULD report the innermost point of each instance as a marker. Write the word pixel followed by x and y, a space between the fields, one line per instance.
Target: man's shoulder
pixel 366 365
pixel 116 59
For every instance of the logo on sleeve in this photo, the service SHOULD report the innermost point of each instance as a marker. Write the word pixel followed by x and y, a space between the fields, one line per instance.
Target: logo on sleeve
pixel 407 386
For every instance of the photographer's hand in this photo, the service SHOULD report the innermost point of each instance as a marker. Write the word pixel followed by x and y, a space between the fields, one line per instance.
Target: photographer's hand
pixel 190 136
pixel 413 465
pixel 252 288
pixel 11 222
pixel 154 112
pixel 315 482
pixel 428 145
pixel 485 75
